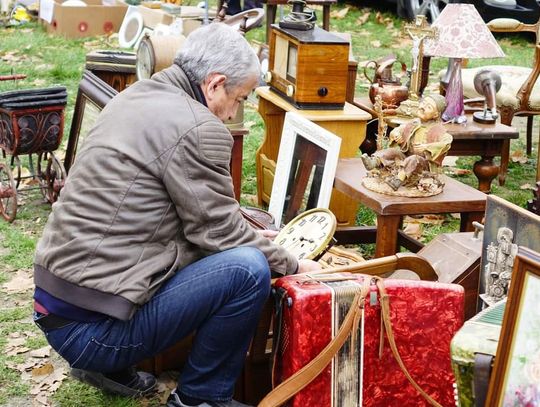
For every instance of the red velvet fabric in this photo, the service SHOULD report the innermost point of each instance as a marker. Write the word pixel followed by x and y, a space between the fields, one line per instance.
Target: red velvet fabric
pixel 424 316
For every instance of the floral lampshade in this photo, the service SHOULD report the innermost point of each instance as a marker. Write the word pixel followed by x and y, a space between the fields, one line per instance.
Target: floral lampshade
pixel 462 34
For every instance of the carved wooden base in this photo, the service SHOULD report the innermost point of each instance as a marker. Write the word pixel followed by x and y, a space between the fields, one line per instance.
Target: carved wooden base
pixel 485 170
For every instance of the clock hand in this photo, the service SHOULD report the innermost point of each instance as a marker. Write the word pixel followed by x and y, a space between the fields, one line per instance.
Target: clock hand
pixel 297 243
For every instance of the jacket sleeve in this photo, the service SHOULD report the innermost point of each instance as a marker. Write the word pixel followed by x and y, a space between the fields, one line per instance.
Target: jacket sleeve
pixel 198 181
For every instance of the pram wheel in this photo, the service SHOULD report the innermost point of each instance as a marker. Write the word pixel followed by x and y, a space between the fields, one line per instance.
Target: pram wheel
pixel 52 180
pixel 8 193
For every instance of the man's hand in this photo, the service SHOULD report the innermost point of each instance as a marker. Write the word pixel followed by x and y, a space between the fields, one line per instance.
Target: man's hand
pixel 305 266
pixel 270 234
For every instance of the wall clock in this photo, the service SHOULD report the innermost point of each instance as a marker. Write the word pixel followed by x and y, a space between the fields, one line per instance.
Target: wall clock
pixel 155 53
pixel 309 234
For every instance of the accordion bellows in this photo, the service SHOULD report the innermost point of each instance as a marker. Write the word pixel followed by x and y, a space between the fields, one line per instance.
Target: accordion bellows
pixel 424 315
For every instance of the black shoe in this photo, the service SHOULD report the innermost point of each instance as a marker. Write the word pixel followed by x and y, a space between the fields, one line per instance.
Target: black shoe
pixel 174 401
pixel 134 384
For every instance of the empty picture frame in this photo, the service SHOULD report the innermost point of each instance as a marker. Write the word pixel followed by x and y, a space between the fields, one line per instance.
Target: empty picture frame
pixel 305 169
pixel 92 97
pixel 515 380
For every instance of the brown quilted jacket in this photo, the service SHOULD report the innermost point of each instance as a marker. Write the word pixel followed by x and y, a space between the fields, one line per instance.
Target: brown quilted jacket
pixel 150 192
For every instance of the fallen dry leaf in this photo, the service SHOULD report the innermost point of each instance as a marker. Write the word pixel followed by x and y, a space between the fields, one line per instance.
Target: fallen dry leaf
pixel 15 346
pixel 46 369
pixel 375 44
pixel 527 186
pixel 44 385
pixel 23 281
pixel 450 161
pixel 363 18
pixel 39 82
pixel 42 399
pixel 430 219
pixel 165 383
pixel 381 19
pixel 459 171
pixel 339 14
pixel 44 352
pixel 519 156
pixel 413 230
pixel 11 56
pixel 364 33
pixel 27 366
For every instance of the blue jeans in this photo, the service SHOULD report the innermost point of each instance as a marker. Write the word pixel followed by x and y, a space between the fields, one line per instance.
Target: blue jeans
pixel 220 297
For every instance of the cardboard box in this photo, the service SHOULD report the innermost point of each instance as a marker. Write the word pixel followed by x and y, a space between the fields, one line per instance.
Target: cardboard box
pixel 192 17
pixel 82 21
pixel 153 17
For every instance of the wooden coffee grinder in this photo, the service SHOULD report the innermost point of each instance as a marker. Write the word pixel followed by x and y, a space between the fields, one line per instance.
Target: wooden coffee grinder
pixel 308 66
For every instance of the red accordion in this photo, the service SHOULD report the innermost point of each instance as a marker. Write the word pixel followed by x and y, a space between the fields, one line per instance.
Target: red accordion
pixel 424 317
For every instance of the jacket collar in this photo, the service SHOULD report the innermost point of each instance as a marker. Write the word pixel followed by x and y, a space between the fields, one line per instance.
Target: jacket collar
pixel 175 76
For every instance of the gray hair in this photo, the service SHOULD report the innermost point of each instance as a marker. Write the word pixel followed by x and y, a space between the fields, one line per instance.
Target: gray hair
pixel 218 48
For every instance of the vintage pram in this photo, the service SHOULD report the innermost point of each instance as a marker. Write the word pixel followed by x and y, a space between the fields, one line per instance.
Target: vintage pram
pixel 32 124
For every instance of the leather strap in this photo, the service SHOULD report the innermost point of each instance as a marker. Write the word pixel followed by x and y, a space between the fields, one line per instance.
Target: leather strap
pixel 304 376
pixel 385 310
pixel 482 371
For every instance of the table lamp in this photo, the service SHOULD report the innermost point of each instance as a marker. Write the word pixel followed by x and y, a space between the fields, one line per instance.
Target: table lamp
pixel 462 34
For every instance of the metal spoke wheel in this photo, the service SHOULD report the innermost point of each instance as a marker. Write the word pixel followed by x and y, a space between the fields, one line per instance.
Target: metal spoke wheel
pixel 8 193
pixel 16 170
pixel 52 178
pixel 430 8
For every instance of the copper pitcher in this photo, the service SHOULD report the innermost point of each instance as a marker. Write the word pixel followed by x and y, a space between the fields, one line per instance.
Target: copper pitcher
pixel 384 83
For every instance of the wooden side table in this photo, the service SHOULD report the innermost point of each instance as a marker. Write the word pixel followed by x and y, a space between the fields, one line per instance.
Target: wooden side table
pixel 349 124
pixel 455 198
pixel 487 141
pixel 470 139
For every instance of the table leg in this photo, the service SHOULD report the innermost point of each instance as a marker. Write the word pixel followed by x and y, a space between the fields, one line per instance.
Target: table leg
pixel 467 219
pixel 270 18
pixel 505 157
pixel 326 17
pixel 485 170
pixel 387 235
pixel 236 162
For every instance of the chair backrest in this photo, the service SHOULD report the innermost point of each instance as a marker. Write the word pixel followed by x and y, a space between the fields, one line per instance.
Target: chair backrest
pixel 508 25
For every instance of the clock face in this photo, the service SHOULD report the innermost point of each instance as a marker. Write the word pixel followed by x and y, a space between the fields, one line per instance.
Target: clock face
pixel 145 60
pixel 308 234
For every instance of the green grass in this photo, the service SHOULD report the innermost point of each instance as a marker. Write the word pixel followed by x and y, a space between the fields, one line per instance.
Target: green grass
pixel 48 60
pixel 73 394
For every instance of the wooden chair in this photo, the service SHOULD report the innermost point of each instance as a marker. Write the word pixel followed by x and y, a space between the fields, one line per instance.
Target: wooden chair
pixel 520 91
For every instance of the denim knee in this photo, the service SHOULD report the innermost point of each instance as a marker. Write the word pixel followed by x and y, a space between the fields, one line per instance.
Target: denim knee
pixel 256 264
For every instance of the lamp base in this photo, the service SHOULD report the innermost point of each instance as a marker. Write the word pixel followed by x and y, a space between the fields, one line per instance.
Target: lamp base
pixel 454 95
pixel 484 117
pixel 454 119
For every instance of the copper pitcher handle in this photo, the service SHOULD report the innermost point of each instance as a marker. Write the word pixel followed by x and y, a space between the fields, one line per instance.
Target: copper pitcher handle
pixel 371 80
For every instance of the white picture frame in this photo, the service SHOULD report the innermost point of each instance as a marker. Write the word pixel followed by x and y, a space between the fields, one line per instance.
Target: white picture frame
pixel 298 138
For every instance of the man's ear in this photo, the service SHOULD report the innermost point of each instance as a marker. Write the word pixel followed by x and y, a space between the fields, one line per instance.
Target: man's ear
pixel 212 83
